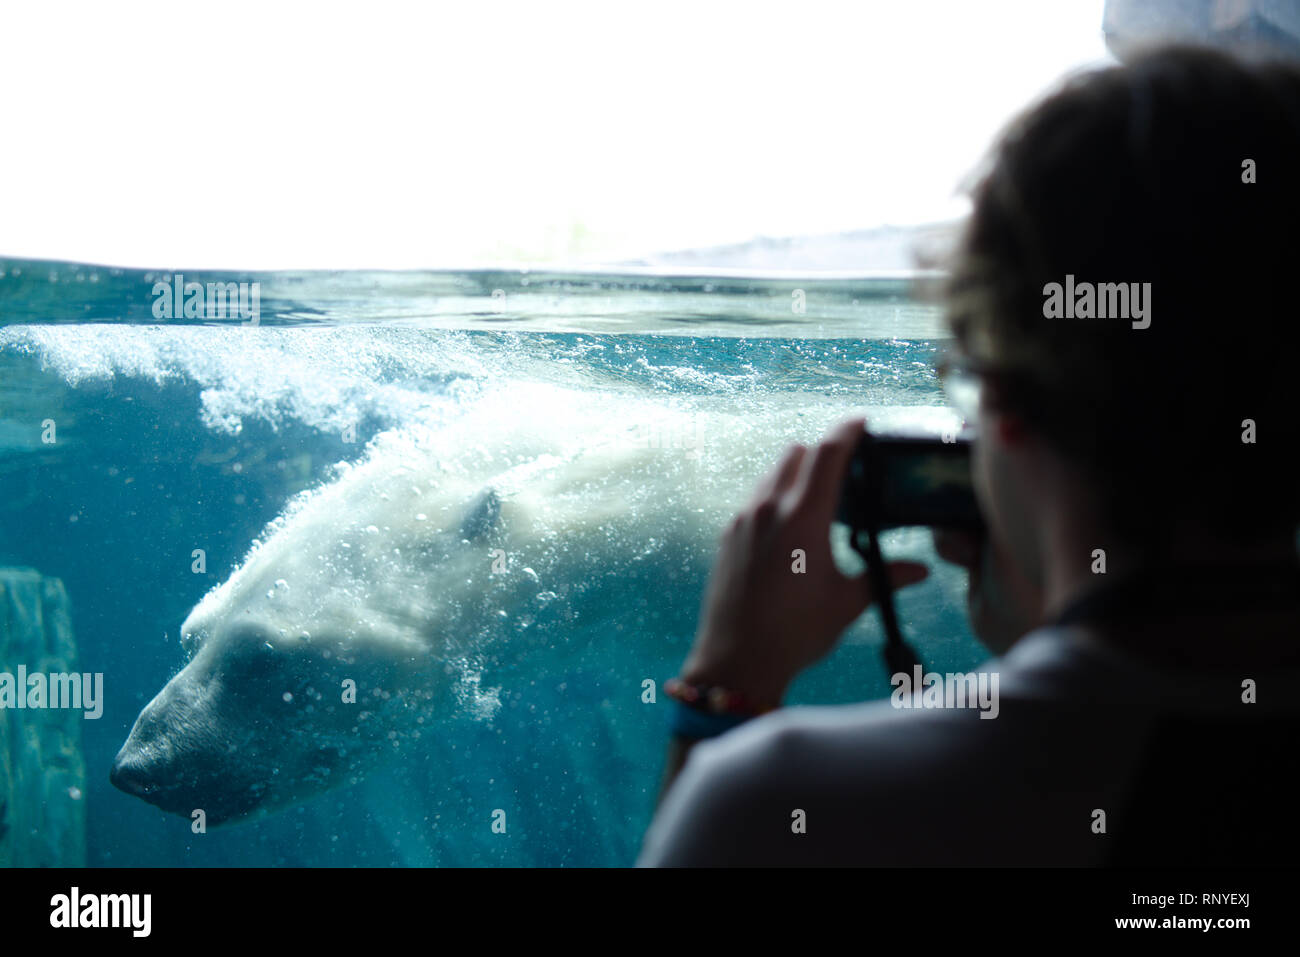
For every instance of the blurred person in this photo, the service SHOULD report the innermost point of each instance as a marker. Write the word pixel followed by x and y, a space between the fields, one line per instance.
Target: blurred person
pixel 1145 708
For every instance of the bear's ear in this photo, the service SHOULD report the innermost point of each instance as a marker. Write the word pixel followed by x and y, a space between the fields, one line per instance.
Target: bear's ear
pixel 482 516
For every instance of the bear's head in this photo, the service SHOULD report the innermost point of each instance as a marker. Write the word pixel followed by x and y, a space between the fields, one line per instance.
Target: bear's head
pixel 336 642
pixel 250 725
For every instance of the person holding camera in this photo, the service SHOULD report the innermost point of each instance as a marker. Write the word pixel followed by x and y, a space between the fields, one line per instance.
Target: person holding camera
pixel 1138 579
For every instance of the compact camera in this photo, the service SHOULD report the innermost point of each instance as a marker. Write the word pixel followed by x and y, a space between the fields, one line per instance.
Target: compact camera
pixel 900 479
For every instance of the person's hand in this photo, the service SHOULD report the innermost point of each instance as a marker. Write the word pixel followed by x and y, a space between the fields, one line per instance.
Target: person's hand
pixel 768 612
pixel 1003 604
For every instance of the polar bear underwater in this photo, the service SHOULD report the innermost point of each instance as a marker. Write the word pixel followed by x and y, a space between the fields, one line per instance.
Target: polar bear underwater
pixel 355 629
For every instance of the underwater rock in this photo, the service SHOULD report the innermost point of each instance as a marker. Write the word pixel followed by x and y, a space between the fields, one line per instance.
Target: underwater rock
pixel 42 773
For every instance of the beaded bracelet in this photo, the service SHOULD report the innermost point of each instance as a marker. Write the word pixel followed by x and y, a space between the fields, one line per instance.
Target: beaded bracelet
pixel 702 711
pixel 712 699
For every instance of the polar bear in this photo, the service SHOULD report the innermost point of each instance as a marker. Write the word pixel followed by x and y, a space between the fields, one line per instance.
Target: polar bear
pixel 358 623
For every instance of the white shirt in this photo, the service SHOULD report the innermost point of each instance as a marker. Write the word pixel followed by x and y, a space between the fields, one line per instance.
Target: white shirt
pixel 880 785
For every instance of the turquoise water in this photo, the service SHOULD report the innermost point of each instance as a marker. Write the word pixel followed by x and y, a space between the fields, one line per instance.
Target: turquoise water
pixel 618 418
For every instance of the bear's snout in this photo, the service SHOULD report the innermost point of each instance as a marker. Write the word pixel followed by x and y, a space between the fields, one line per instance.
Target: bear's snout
pixel 168 759
pixel 130 776
pixel 144 769
pixel 182 786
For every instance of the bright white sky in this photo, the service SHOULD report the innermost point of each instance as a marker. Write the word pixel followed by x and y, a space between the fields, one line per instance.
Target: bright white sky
pixel 278 135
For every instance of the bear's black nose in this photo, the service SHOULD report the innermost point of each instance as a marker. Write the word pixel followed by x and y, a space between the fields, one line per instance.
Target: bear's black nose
pixel 127 776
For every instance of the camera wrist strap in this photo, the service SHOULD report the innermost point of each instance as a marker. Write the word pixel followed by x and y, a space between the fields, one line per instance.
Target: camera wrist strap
pixel 898 654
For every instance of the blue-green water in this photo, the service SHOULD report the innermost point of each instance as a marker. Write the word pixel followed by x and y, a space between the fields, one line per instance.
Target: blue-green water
pixel 183 434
